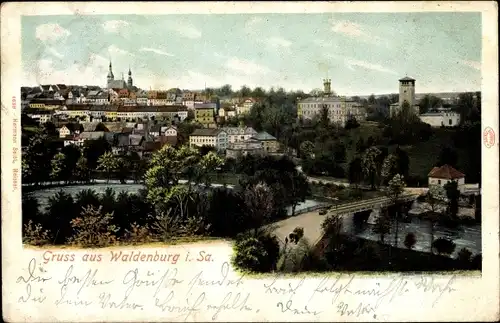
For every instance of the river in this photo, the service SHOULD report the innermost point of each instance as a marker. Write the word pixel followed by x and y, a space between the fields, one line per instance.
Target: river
pixel 43 195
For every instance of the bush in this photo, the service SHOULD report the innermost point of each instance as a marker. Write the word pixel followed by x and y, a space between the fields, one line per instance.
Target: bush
pixel 476 262
pixel 444 246
pixel 410 240
pixel 256 253
pixel 300 258
pixel 35 235
pixel 464 256
pixel 138 234
pixel 296 235
pixel 93 229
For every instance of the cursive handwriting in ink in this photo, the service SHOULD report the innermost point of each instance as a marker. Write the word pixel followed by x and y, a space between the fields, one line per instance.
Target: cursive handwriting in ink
pixel 29 297
pixel 429 285
pixel 343 309
pixel 152 279
pixel 87 280
pixel 336 288
pixel 198 279
pixel 106 302
pixel 32 277
pixel 185 310
pixel 230 303
pixel 291 290
pixel 397 287
pixel 287 307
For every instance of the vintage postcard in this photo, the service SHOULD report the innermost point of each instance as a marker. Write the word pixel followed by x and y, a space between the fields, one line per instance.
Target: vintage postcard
pixel 239 161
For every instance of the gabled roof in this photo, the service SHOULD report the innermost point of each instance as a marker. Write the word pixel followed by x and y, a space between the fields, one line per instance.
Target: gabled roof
pixel 263 136
pixel 446 172
pixel 206 132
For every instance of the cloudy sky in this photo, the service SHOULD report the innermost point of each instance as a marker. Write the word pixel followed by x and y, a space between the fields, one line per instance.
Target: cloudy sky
pixel 362 53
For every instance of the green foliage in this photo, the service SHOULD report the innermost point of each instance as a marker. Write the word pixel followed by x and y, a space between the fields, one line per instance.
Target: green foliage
pixel 444 246
pixel 453 195
pixel 355 171
pixel 389 167
pixel 93 229
pixel 464 256
pixel 109 163
pixel 382 226
pixel 370 164
pixel 256 253
pixel 410 240
pixel 34 234
pixel 296 235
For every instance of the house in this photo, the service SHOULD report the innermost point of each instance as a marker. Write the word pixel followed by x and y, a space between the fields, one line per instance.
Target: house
pixel 169 131
pixel 41 116
pixel 64 132
pixel 227 112
pixel 216 138
pixel 243 148
pixel 445 174
pixel 269 143
pixel 205 114
pixel 443 118
pixel 235 134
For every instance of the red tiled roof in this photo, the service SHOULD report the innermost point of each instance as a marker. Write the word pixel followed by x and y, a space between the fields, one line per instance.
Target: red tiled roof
pixel 445 172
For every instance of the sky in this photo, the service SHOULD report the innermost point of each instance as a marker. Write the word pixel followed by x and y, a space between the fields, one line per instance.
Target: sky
pixel 362 53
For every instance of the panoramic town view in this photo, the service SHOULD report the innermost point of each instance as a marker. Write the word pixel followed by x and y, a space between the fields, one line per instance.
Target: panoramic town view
pixel 344 142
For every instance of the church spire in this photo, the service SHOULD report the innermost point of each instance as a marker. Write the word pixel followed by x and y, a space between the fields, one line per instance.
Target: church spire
pixel 129 81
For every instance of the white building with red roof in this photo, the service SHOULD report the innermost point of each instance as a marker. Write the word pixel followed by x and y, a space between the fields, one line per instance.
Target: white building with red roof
pixel 445 174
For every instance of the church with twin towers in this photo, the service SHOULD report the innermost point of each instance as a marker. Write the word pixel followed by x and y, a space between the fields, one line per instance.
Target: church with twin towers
pixel 119 83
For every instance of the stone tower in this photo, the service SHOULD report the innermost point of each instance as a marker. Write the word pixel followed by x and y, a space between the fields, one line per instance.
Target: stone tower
pixel 407 91
pixel 327 86
pixel 129 81
pixel 110 76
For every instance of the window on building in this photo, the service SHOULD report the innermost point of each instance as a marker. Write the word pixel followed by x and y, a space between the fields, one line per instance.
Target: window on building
pixel 449 122
pixel 439 181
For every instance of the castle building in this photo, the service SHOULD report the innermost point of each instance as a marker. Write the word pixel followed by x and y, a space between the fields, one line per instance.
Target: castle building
pixel 406 95
pixel 340 109
pixel 120 83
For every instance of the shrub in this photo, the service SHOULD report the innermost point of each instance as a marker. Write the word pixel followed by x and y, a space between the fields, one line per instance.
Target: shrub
pixel 35 235
pixel 138 234
pixel 256 253
pixel 166 225
pixel 476 262
pixel 444 246
pixel 300 258
pixel 296 235
pixel 93 229
pixel 464 256
pixel 410 240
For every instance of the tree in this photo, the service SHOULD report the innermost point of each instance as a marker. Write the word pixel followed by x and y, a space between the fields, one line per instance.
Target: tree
pixel 297 188
pixel 355 171
pixel 447 156
pixel 429 103
pixel 244 91
pixel 57 164
pixel 93 229
pixel 453 195
pixel 382 226
pixel 410 240
pixel 256 253
pixel 360 145
pixel 403 162
pixel 435 196
pixel 324 118
pixel 466 106
pixel 464 257
pixel 108 163
pixel 339 152
pixel 369 162
pixel 444 246
pixel 389 167
pixel 307 149
pixel 82 172
pixel 259 203
pixel 372 99
pixel 72 153
pixel 332 228
pixel 59 211
pixel 396 188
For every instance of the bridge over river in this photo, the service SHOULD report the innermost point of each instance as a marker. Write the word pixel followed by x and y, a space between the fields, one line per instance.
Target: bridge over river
pixel 311 222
